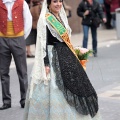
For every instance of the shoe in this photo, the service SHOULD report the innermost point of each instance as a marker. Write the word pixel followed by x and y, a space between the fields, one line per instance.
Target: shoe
pixel 95 54
pixel 5 106
pixel 22 105
pixel 30 56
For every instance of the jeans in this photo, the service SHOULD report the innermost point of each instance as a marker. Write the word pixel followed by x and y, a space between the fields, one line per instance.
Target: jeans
pixel 94 37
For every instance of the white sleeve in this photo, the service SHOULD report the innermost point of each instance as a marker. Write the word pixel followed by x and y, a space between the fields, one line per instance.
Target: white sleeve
pixel 27 19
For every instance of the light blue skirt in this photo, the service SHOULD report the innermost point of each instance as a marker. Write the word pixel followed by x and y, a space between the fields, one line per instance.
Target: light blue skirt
pixel 48 102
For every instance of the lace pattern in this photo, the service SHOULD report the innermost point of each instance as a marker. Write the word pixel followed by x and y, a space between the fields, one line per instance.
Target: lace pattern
pixel 38 74
pixel 73 81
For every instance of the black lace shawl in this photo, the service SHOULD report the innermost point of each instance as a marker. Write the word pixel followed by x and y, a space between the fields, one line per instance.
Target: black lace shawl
pixel 73 81
pixel 71 78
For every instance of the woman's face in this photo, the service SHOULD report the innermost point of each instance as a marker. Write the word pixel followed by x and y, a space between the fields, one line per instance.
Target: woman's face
pixel 55 6
pixel 90 1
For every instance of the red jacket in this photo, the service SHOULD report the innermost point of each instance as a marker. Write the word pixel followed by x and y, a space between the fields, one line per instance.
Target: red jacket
pixel 114 4
pixel 17 17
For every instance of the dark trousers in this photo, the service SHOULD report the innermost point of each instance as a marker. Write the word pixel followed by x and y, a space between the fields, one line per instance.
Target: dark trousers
pixel 94 37
pixel 108 15
pixel 15 47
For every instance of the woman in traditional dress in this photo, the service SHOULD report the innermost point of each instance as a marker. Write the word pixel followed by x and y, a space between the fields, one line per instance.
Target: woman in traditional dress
pixel 59 88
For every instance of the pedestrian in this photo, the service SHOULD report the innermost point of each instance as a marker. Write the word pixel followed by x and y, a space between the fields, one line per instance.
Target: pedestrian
pixel 59 88
pixel 108 15
pixel 35 10
pixel 15 26
pixel 114 4
pixel 88 10
pixel 28 40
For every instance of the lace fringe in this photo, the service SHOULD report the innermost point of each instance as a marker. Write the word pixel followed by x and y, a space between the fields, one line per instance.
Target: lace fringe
pixel 83 104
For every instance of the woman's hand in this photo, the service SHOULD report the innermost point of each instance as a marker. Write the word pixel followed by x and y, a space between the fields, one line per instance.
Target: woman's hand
pixel 86 12
pixel 104 20
pixel 47 69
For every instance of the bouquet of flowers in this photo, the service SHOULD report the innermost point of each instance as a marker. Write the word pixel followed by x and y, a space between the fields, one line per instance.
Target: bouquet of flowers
pixel 83 55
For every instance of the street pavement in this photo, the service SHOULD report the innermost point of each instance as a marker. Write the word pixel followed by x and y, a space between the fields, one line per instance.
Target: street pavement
pixel 103 71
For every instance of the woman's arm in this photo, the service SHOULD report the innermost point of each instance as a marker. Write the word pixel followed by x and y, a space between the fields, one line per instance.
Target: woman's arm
pixel 46 62
pixel 46 59
pixel 101 13
pixel 80 11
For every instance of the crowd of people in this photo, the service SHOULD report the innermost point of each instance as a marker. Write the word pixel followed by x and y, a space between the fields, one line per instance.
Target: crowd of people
pixel 88 10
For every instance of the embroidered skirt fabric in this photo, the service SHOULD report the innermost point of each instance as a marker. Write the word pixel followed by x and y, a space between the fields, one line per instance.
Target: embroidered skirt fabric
pixel 50 102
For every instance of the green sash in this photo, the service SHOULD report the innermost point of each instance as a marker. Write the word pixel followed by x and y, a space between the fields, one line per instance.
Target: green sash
pixel 61 30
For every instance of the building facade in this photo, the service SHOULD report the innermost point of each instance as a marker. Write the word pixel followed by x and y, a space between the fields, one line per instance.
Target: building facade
pixel 74 20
